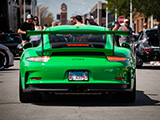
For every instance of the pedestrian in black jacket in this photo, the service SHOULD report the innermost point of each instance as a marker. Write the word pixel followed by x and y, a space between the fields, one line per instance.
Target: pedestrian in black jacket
pixel 91 21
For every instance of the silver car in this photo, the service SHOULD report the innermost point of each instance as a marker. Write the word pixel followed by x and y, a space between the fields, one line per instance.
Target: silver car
pixel 6 57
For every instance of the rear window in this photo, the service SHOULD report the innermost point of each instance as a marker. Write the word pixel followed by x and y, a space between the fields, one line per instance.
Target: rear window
pixel 78 38
pixel 152 34
pixel 63 39
pixel 153 37
pixel 9 38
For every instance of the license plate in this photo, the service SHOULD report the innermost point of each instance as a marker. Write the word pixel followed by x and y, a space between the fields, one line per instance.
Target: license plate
pixel 156 49
pixel 78 76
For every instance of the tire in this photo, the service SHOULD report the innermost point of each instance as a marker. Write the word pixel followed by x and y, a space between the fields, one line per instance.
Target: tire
pixel 127 97
pixel 139 62
pixel 25 97
pixel 3 60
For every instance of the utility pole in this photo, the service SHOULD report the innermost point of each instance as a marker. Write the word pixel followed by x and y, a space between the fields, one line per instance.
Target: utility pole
pixel 115 14
pixel 107 14
pixel 151 21
pixel 131 13
pixel 98 13
pixel 24 11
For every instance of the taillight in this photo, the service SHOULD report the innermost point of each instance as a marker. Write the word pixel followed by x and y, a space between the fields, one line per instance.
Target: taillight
pixel 39 59
pixel 147 49
pixel 116 59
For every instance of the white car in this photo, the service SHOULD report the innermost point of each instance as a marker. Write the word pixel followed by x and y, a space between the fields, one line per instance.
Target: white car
pixel 6 57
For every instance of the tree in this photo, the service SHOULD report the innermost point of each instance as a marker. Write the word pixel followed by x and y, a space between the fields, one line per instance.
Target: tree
pixel 45 16
pixel 146 7
pixel 122 7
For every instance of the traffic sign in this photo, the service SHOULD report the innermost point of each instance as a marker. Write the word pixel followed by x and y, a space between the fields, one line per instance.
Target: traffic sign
pixel 121 19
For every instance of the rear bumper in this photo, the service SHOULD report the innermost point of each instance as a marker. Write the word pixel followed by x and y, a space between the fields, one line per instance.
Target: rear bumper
pixel 17 52
pixel 150 56
pixel 77 88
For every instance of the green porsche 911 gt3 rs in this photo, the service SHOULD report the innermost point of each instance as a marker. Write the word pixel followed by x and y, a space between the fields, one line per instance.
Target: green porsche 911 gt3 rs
pixel 77 59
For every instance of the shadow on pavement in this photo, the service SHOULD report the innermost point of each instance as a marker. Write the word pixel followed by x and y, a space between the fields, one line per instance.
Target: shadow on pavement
pixel 10 69
pixel 150 67
pixel 94 100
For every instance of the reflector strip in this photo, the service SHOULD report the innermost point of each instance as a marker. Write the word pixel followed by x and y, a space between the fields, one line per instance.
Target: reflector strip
pixel 69 45
pixel 119 78
pixel 36 78
pixel 17 36
pixel 20 51
pixel 116 59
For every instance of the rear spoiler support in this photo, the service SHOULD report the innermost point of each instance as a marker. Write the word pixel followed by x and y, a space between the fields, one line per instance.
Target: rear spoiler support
pixel 42 44
pixel 113 44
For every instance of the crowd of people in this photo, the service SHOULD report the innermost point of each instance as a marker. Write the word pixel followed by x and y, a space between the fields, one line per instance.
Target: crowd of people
pixel 32 23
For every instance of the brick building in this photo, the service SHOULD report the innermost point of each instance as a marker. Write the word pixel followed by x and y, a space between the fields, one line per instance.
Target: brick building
pixel 139 20
pixel 63 14
pixel 99 13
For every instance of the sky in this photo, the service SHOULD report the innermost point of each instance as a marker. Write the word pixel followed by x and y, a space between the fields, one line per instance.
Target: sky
pixel 74 7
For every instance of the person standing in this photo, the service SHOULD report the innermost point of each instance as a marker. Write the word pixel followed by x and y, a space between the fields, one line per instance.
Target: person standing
pixel 116 37
pixel 91 21
pixel 72 21
pixel 53 24
pixel 35 40
pixel 36 23
pixel 78 20
pixel 27 25
pixel 125 27
pixel 145 26
pixel 45 26
pixel 156 24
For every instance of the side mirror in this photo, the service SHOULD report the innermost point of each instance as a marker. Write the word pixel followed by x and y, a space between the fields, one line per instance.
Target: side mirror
pixel 27 45
pixel 126 45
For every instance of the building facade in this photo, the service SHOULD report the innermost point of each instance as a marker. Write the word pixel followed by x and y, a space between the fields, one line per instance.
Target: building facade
pixel 99 13
pixel 29 6
pixel 12 13
pixel 8 16
pixel 63 14
pixel 138 20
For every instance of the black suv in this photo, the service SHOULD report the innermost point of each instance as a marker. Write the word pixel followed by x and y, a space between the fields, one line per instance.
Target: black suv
pixel 13 42
pixel 147 47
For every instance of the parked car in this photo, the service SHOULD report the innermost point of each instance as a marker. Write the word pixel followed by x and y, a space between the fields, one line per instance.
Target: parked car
pixel 77 59
pixel 135 36
pixel 147 47
pixel 13 42
pixel 6 57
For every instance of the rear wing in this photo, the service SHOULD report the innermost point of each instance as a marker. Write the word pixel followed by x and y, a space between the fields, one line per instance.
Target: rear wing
pixel 33 33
